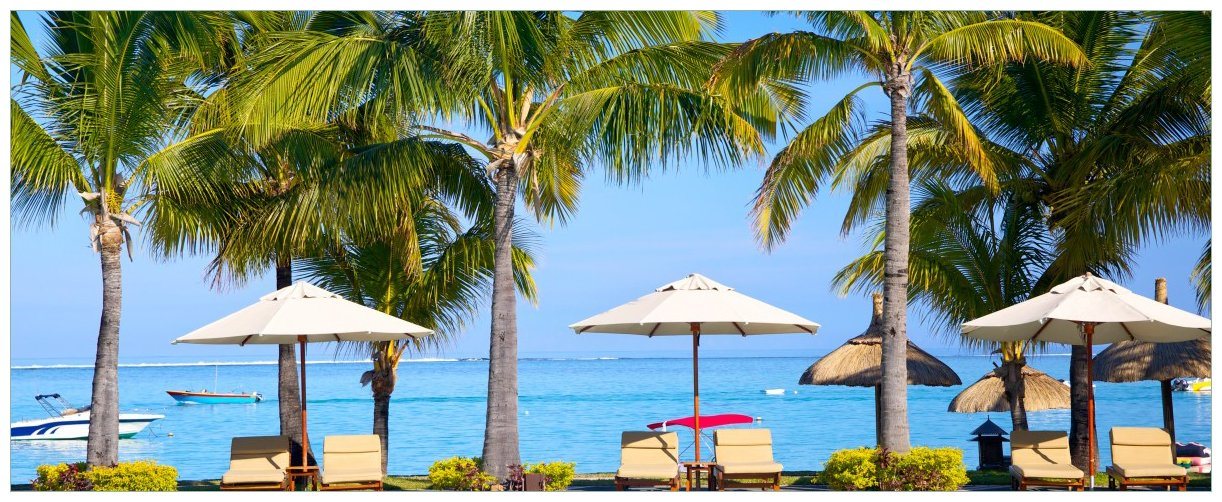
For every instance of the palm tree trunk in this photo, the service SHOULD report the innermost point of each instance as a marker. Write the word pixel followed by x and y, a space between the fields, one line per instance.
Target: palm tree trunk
pixel 501 425
pixel 102 448
pixel 1016 390
pixel 381 418
pixel 895 268
pixel 1079 398
pixel 288 390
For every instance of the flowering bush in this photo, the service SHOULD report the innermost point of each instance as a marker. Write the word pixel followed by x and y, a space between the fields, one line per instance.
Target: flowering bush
pixel 921 469
pixel 559 474
pixel 141 476
pixel 460 474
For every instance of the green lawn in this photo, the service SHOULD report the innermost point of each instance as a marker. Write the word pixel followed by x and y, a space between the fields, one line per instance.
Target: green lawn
pixel 605 480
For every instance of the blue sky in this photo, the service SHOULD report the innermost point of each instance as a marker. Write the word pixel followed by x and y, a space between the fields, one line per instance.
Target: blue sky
pixel 624 242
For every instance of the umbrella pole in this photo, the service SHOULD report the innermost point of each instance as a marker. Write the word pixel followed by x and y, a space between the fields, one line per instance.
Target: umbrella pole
pixel 305 436
pixel 1089 328
pixel 696 383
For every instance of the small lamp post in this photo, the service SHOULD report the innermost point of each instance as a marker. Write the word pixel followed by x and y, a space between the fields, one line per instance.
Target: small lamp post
pixel 989 438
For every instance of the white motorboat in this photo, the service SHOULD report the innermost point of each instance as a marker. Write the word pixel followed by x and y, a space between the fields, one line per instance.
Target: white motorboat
pixel 68 422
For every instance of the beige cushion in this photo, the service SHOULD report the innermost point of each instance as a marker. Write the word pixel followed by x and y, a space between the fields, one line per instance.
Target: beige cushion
pixel 257 459
pixel 1149 470
pixel 233 477
pixel 750 468
pixel 333 475
pixel 649 455
pixel 648 471
pixel 1133 446
pixel 1035 448
pixel 1058 471
pixel 733 446
pixel 350 459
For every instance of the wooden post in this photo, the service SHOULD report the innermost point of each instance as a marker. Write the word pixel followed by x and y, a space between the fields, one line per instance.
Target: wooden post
pixel 1089 328
pixel 878 415
pixel 1168 411
pixel 696 383
pixel 305 436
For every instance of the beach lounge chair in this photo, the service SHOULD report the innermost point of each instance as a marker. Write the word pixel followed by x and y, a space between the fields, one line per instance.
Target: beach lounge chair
pixel 1142 456
pixel 745 454
pixel 257 463
pixel 1041 458
pixel 648 459
pixel 352 462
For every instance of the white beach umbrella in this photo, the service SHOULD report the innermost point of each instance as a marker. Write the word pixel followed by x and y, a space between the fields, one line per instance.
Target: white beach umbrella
pixel 303 313
pixel 1088 310
pixel 695 306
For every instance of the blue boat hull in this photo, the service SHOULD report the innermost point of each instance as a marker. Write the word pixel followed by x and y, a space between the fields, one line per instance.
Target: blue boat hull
pixel 203 398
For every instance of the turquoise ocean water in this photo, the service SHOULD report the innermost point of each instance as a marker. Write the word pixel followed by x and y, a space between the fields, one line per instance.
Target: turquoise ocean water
pixel 571 409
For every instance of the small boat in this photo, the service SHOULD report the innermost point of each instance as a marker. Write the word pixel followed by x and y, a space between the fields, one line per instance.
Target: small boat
pixel 774 392
pixel 1192 384
pixel 69 422
pixel 205 397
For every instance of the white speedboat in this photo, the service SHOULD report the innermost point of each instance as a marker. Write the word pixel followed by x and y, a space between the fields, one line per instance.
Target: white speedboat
pixel 68 422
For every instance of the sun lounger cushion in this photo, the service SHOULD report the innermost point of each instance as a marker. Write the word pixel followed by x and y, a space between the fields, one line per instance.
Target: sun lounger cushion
pixel 744 451
pixel 649 455
pixel 1056 471
pixel 260 459
pixel 750 467
pixel 1041 454
pixel 1141 452
pixel 352 459
pixel 1149 470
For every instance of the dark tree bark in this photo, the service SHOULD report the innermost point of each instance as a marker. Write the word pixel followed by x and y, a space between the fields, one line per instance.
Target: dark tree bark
pixel 1016 390
pixel 382 389
pixel 102 448
pixel 1078 399
pixel 895 269
pixel 287 385
pixel 501 429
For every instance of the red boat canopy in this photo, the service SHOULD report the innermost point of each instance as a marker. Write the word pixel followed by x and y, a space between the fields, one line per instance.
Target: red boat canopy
pixel 706 421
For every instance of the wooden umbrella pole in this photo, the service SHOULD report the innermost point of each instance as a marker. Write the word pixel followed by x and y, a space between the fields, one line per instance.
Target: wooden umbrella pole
pixel 1168 410
pixel 1090 403
pixel 696 384
pixel 305 436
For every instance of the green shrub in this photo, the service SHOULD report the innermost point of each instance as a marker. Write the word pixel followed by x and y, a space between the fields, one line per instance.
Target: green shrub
pixel 930 469
pixel 140 476
pixel 559 474
pixel 921 469
pixel 460 474
pixel 62 478
pixel 851 470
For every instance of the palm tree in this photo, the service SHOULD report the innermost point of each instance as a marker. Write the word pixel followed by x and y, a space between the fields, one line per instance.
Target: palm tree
pixel 272 198
pixel 106 92
pixel 555 94
pixel 1112 155
pixel 972 254
pixel 442 291
pixel 907 55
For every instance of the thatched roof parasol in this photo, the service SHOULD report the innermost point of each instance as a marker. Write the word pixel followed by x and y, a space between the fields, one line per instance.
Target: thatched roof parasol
pixel 1134 361
pixel 858 363
pixel 988 394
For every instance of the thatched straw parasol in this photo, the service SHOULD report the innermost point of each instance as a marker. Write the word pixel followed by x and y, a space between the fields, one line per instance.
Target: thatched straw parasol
pixel 988 394
pixel 1134 361
pixel 858 363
